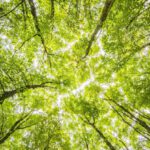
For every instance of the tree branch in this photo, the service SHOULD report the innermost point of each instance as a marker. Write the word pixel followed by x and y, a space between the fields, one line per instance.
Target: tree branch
pixel 129 124
pixel 139 121
pixel 111 147
pixel 12 9
pixel 123 61
pixel 137 15
pixel 27 40
pixel 36 23
pixel 103 17
pixel 8 94
pixel 52 9
pixel 14 127
pixel 123 144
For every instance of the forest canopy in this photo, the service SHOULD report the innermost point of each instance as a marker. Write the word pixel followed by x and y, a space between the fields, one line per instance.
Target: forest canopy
pixel 74 74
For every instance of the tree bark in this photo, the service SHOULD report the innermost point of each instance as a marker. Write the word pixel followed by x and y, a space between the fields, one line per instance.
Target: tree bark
pixel 140 122
pixel 103 17
pixel 35 18
pixel 8 94
pixel 14 127
pixel 111 147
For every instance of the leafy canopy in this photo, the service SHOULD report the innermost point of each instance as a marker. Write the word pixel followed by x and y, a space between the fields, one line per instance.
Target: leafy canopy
pixel 74 74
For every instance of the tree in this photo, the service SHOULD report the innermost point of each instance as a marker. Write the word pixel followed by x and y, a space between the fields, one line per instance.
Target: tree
pixel 74 74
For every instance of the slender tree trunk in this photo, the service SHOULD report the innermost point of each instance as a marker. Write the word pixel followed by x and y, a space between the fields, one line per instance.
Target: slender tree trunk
pixel 103 17
pixel 141 122
pixel 111 147
pixel 52 9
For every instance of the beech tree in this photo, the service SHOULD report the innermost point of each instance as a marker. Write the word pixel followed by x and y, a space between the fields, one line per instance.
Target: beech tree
pixel 74 74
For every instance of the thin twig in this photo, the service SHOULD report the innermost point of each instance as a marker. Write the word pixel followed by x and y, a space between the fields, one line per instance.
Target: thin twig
pixel 12 9
pixel 27 40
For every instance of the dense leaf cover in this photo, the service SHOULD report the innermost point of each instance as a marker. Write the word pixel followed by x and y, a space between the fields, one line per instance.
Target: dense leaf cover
pixel 74 74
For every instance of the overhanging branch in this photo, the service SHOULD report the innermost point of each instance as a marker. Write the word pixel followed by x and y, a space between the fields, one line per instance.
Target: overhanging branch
pixel 11 93
pixel 15 127
pixel 12 9
pixel 36 23
pixel 103 17
pixel 131 115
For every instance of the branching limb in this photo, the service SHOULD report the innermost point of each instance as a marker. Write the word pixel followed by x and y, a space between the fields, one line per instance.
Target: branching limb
pixel 103 17
pixel 86 120
pixel 14 127
pixel 12 9
pixel 36 23
pixel 141 122
pixel 129 124
pixel 124 144
pixel 130 115
pixel 2 121
pixel 52 9
pixel 86 142
pixel 24 15
pixel 123 61
pixel 8 94
pixel 27 40
pixel 137 15
pixel 111 147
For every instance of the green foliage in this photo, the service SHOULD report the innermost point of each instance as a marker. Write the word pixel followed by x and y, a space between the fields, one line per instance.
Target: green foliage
pixel 57 95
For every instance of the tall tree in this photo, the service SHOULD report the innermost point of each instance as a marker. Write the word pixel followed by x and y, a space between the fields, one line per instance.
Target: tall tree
pixel 74 74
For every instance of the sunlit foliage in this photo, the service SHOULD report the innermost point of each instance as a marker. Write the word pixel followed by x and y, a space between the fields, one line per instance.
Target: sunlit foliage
pixel 74 74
